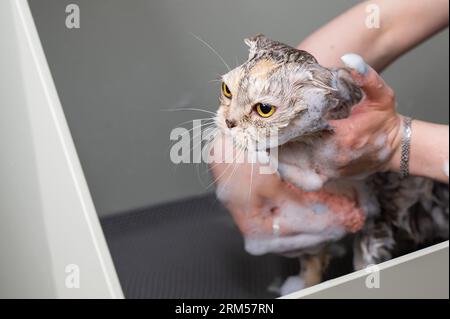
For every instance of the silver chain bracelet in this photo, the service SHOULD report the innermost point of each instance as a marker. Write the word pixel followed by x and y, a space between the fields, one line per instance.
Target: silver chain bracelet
pixel 405 147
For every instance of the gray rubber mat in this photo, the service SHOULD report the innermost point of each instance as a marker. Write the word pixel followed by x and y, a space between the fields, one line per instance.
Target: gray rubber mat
pixel 189 249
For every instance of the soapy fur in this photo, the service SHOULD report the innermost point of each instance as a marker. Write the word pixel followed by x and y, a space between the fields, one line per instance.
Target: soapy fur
pixel 388 215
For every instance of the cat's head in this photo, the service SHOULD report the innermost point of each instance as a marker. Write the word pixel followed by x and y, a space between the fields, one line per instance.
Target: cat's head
pixel 278 90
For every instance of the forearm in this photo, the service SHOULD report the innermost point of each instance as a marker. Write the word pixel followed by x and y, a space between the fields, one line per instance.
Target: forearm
pixel 429 151
pixel 403 25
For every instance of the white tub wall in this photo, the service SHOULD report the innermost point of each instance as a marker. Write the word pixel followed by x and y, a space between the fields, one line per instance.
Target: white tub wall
pixel 47 218
pixel 419 275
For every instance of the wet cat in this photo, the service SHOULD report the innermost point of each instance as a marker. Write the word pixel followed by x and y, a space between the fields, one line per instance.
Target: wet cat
pixel 284 90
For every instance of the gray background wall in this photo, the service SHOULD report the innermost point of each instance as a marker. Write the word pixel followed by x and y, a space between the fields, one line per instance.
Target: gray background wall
pixel 132 58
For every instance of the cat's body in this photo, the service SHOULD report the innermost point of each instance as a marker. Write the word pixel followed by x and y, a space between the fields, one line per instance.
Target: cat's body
pixel 394 215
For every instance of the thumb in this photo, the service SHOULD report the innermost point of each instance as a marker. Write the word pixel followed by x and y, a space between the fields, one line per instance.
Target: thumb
pixel 367 78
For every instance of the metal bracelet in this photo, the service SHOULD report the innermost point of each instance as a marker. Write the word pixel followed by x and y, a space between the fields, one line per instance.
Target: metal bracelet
pixel 405 147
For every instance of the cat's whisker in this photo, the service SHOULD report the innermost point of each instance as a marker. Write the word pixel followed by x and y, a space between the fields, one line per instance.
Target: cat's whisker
pixel 197 127
pixel 195 146
pixel 213 166
pixel 210 142
pixel 208 126
pixel 208 145
pixel 213 50
pixel 201 133
pixel 224 172
pixel 235 166
pixel 219 177
pixel 199 119
pixel 202 126
pixel 189 109
pixel 236 156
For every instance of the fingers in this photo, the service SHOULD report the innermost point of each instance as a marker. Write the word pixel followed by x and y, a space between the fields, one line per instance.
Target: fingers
pixel 274 225
pixel 370 82
pixel 356 63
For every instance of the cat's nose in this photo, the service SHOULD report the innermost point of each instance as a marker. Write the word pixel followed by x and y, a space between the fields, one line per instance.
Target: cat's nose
pixel 230 123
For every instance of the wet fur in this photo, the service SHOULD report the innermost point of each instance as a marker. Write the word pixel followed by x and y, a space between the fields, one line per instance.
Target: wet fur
pixel 408 213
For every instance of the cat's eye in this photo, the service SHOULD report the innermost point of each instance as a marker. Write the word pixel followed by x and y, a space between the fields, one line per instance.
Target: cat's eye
pixel 264 110
pixel 226 90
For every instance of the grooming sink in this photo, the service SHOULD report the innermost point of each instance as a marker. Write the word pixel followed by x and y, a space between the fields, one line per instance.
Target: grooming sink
pixel 188 248
pixel 192 249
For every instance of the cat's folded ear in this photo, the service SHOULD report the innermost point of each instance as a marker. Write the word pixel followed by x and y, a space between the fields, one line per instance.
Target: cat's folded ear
pixel 346 87
pixel 277 51
pixel 256 43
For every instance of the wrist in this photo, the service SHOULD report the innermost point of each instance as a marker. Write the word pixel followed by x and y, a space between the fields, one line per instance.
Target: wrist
pixel 396 137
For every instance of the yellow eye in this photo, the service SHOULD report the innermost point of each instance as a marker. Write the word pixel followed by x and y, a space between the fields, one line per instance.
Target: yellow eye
pixel 265 110
pixel 226 90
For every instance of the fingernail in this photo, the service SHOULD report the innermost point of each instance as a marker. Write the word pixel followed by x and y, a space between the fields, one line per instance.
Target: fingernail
pixel 355 62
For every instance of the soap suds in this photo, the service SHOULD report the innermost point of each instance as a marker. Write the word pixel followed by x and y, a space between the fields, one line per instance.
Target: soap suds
pixel 292 284
pixel 384 149
pixel 380 140
pixel 319 208
pixel 306 179
pixel 260 245
pixel 383 155
pixel 307 165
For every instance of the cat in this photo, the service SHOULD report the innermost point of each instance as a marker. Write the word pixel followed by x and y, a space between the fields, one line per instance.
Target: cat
pixel 397 215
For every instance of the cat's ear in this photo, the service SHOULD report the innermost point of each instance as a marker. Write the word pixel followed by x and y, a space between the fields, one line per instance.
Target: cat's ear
pixel 257 43
pixel 278 51
pixel 346 87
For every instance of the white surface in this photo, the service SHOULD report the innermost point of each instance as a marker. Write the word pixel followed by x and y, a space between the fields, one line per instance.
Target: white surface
pixel 47 218
pixel 421 274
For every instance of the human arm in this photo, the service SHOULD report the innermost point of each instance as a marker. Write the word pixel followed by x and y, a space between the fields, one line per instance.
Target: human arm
pixel 399 32
pixel 373 133
pixel 429 151
pixel 403 25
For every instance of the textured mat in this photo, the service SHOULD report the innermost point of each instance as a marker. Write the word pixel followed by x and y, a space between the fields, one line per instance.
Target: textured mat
pixel 189 249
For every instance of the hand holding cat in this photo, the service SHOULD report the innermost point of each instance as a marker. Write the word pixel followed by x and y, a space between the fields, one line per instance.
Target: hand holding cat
pixel 369 139
pixel 257 202
pixel 366 142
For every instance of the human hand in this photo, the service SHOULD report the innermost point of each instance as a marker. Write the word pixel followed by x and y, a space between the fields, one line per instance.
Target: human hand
pixel 252 198
pixel 275 216
pixel 369 139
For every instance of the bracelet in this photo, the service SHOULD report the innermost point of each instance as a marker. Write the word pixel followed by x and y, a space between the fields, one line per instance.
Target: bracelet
pixel 405 147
